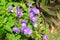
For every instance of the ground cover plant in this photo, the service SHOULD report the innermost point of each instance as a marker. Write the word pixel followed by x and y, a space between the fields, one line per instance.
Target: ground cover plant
pixel 29 19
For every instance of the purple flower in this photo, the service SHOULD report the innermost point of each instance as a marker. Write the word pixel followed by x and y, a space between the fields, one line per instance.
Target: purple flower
pixel 20 15
pixel 44 36
pixel 19 12
pixel 29 4
pixel 24 21
pixel 23 27
pixel 26 30
pixel 30 11
pixel 34 10
pixel 35 24
pixel 33 18
pixel 23 24
pixel 31 15
pixel 10 9
pixel 16 30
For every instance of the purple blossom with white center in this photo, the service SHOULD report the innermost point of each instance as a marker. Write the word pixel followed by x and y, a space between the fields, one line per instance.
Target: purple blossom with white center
pixel 34 10
pixel 19 12
pixel 10 9
pixel 33 18
pixel 23 24
pixel 26 30
pixel 24 21
pixel 44 36
pixel 29 4
pixel 16 30
pixel 35 24
pixel 20 15
pixel 23 27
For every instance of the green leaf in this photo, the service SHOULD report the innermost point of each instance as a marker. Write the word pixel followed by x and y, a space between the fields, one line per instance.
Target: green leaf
pixel 30 26
pixel 17 37
pixel 8 29
pixel 39 19
pixel 58 16
pixel 5 19
pixel 23 6
pixel 47 26
pixel 38 37
pixel 1 24
pixel 1 31
pixel 9 24
pixel 11 21
pixel 3 2
pixel 30 1
pixel 10 36
pixel 10 3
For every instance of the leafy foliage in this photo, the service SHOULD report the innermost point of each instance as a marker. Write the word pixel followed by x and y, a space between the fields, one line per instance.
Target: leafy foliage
pixel 49 15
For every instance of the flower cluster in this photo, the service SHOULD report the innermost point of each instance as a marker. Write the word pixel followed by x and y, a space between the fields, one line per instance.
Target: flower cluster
pixel 24 28
pixel 18 11
pixel 33 12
